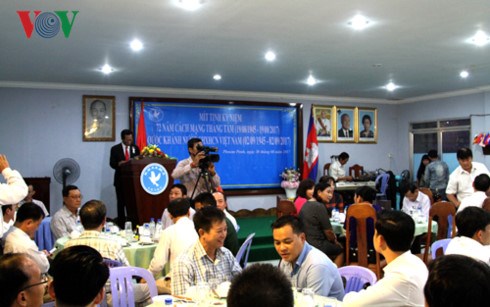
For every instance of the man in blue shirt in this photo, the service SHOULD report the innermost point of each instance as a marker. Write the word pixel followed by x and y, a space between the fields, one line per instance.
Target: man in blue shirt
pixel 306 266
pixel 436 174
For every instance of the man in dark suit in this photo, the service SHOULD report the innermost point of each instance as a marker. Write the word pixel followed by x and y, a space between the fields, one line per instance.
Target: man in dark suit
pixel 121 153
pixel 345 131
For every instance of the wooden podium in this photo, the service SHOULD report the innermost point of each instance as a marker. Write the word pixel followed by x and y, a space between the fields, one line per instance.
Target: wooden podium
pixel 140 205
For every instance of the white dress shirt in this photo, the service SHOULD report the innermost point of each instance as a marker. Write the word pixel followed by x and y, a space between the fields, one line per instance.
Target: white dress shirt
pixel 475 200
pixel 173 241
pixel 422 200
pixel 468 247
pixel 39 203
pixel 461 182
pixel 11 192
pixel 402 285
pixel 336 170
pixel 17 241
pixel 167 221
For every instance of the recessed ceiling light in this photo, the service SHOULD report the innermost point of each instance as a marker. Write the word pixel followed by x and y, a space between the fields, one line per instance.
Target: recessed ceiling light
pixel 270 56
pixel 136 45
pixel 359 22
pixel 189 5
pixel 464 74
pixel 391 86
pixel 311 80
pixel 217 77
pixel 106 69
pixel 479 39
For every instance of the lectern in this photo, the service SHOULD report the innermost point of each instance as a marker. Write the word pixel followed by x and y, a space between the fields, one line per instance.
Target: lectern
pixel 140 205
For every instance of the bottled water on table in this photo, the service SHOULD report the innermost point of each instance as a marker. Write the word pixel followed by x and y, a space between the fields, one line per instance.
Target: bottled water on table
pixel 152 228
pixel 158 230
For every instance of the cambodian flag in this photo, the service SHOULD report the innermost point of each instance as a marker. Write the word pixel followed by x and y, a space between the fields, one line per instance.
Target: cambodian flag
pixel 310 164
pixel 141 132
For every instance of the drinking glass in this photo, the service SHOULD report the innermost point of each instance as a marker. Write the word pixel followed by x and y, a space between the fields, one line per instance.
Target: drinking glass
pixel 202 292
pixel 308 297
pixel 128 229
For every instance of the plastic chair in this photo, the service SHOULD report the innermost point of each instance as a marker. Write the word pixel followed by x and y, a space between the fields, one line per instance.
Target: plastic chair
pixel 242 254
pixel 437 245
pixel 112 263
pixel 357 277
pixel 361 213
pixel 44 237
pixel 443 212
pixel 121 279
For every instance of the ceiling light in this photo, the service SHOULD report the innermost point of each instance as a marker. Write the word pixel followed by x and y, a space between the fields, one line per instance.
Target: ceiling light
pixel 136 45
pixel 390 87
pixel 464 74
pixel 479 39
pixel 311 80
pixel 189 5
pixel 270 56
pixel 217 77
pixel 359 22
pixel 106 69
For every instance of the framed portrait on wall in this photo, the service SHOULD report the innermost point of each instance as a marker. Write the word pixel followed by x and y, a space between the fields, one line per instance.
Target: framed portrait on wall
pixel 324 119
pixel 367 125
pixel 98 118
pixel 346 128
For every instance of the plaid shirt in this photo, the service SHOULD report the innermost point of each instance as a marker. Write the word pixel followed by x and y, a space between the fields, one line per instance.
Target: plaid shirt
pixel 195 266
pixel 106 246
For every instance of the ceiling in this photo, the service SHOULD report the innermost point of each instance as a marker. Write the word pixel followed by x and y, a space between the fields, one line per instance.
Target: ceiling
pixel 418 44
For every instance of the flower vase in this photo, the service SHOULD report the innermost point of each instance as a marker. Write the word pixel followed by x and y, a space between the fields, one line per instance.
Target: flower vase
pixel 290 193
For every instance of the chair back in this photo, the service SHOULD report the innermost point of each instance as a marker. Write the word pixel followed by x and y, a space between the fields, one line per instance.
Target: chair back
pixel 326 167
pixel 242 254
pixel 356 170
pixel 285 207
pixel 486 204
pixel 121 279
pixel 443 213
pixel 428 192
pixel 112 263
pixel 356 277
pixel 438 245
pixel 360 213
pixel 44 237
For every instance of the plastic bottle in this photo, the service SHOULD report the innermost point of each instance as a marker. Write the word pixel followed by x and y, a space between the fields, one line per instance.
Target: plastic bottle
pixel 152 228
pixel 158 230
pixel 79 226
pixel 420 214
pixel 145 233
pixel 168 301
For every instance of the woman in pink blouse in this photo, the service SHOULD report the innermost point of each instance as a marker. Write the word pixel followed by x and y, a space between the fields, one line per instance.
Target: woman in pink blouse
pixel 304 193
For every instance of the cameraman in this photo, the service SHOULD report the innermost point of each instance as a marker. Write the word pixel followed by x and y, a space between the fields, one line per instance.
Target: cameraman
pixel 187 171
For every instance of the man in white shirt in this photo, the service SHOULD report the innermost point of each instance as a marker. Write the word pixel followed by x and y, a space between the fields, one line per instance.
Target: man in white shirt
pixel 481 186
pixel 460 183
pixel 29 199
pixel 337 170
pixel 14 190
pixel 178 190
pixel 473 238
pixel 414 199
pixel 64 221
pixel 176 238
pixel 222 205
pixel 19 238
pixel 405 274
pixel 8 212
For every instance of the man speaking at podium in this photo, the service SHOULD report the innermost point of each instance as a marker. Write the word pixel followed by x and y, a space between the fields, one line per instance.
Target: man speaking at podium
pixel 122 153
pixel 198 166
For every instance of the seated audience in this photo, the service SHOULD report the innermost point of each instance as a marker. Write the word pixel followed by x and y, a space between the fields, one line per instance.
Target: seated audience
pixel 79 276
pixel 457 280
pixel 481 184
pixel 178 190
pixel 207 258
pixel 306 266
pixel 93 218
pixel 260 285
pixel 20 237
pixel 64 221
pixel 221 203
pixel 405 274
pixel 473 238
pixel 304 193
pixel 21 281
pixel 175 239
pixel 8 212
pixel 317 227
pixel 207 199
pixel 337 201
pixel 411 202
pixel 29 199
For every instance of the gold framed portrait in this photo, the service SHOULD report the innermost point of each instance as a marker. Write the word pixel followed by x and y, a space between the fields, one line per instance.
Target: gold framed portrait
pixel 98 118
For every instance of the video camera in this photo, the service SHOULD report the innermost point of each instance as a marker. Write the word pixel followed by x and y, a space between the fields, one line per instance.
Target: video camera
pixel 209 157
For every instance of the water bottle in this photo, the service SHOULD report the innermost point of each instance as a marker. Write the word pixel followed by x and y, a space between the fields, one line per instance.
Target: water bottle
pixel 79 226
pixel 158 230
pixel 420 214
pixel 145 233
pixel 152 228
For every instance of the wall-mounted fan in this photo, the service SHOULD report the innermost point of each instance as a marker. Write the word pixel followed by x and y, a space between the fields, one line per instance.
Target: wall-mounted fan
pixel 66 171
